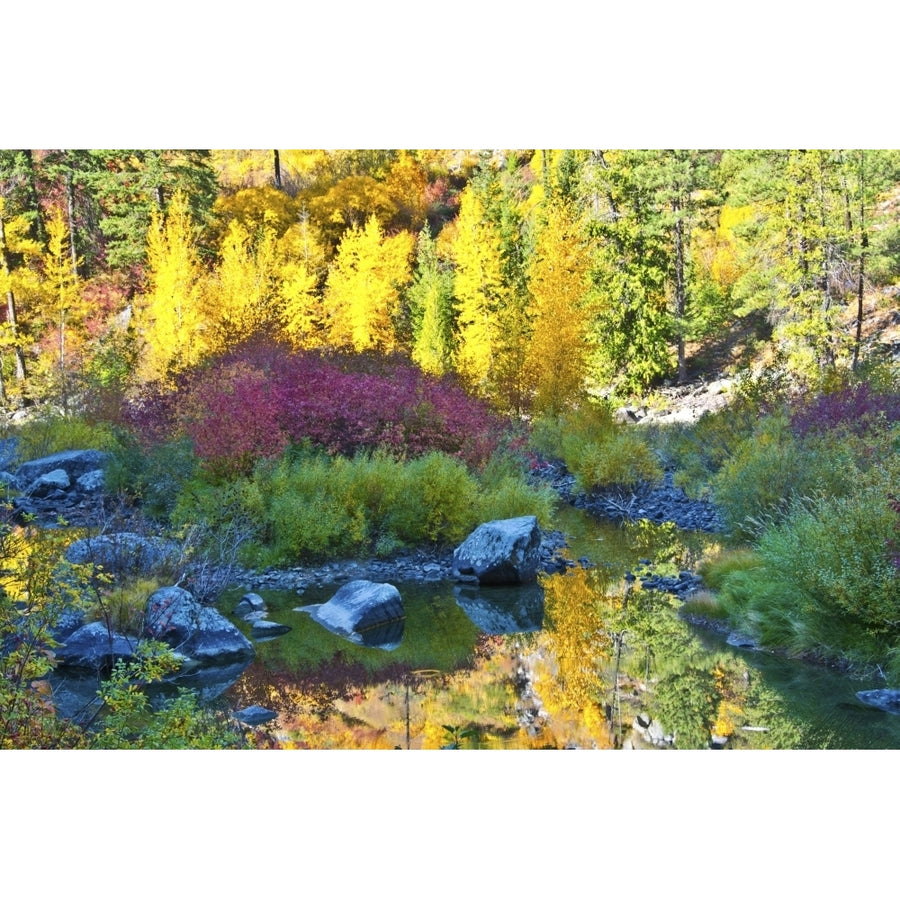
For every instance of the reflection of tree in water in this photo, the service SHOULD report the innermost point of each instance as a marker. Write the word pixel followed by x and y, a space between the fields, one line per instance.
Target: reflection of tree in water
pixel 619 650
pixel 577 639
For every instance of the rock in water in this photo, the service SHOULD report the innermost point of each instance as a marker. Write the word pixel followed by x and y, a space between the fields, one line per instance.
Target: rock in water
pixel 885 698
pixel 359 607
pixel 174 616
pixel 505 551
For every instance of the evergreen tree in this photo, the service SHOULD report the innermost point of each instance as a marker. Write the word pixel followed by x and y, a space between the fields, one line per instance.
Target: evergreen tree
pixel 631 267
pixel 130 185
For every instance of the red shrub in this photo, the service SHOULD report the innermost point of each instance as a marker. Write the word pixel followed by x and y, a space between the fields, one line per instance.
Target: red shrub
pixel 254 401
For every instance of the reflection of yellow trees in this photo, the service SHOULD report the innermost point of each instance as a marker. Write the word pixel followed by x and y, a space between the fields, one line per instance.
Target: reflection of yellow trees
pixel 577 610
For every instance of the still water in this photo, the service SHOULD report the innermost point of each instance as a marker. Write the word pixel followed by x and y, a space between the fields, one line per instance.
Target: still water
pixel 585 659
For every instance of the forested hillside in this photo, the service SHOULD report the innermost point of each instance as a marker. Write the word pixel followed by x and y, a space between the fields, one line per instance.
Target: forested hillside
pixel 535 276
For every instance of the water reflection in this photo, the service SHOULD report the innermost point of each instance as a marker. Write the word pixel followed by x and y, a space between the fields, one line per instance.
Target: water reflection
pixel 387 636
pixel 498 610
pixel 583 659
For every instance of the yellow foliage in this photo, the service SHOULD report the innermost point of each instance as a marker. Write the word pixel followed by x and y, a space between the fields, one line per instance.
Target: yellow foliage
pixel 362 295
pixel 479 288
pixel 170 315
pixel 63 298
pixel 302 310
pixel 256 208
pixel 406 183
pixel 718 251
pixel 557 355
pixel 350 203
pixel 244 288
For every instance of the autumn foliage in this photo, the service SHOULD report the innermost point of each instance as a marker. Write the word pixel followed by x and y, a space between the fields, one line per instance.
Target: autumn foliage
pixel 255 401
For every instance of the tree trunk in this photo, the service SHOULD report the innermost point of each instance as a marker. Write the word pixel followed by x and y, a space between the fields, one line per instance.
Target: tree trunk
pixel 70 212
pixel 38 230
pixel 11 306
pixel 277 161
pixel 680 290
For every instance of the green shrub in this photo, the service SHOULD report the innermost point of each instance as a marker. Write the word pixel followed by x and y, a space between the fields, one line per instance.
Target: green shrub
pixel 511 496
pixel 836 550
pixel 697 451
pixel 718 569
pixel 596 449
pixel 772 467
pixel 438 502
pixel 154 477
pixel 52 433
pixel 122 607
pixel 308 505
pixel 822 581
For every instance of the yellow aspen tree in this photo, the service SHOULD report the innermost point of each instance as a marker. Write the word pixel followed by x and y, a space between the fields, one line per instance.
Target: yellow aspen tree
pixel 479 288
pixel 242 294
pixel 302 313
pixel 362 295
pixel 558 281
pixel 170 314
pixel 13 283
pixel 63 302
pixel 302 261
pixel 406 183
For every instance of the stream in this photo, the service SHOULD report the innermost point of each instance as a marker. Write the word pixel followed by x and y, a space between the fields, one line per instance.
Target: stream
pixel 582 660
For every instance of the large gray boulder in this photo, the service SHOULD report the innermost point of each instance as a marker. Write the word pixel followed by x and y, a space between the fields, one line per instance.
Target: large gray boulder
pixel 124 552
pixel 174 616
pixel 74 463
pixel 47 484
pixel 93 646
pixel 360 608
pixel 505 551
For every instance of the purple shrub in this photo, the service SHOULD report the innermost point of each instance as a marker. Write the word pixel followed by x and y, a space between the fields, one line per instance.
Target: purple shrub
pixel 854 409
pixel 254 401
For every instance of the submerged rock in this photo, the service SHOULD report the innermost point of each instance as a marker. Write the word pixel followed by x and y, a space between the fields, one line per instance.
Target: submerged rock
pixel 505 551
pixel 885 699
pixel 498 611
pixel 267 629
pixel 255 715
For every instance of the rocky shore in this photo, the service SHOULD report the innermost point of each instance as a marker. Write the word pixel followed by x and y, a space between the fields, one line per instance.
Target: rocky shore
pixel 657 502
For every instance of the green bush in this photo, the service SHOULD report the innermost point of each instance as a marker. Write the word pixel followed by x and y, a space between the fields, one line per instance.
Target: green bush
pixel 822 581
pixel 154 477
pixel 438 502
pixel 836 551
pixel 697 451
pixel 51 433
pixel 596 449
pixel 309 506
pixel 771 468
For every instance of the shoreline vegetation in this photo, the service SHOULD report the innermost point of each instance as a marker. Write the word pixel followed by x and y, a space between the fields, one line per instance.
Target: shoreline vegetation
pixel 386 348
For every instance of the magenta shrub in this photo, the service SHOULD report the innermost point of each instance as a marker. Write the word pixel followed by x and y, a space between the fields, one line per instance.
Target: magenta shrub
pixel 855 409
pixel 258 399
